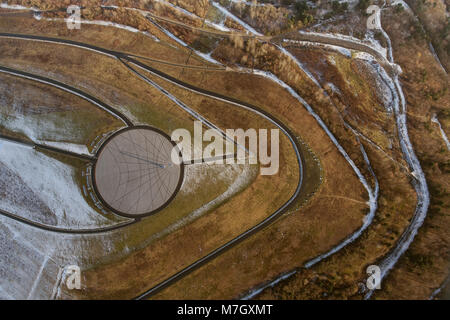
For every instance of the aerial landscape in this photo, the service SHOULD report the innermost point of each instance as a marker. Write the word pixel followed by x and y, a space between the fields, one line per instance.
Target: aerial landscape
pixel 224 150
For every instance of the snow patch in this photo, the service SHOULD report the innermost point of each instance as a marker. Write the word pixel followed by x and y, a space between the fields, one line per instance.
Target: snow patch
pixel 55 184
pixel 236 19
pixel 444 136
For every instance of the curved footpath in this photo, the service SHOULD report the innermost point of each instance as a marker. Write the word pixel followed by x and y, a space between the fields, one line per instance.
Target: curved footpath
pixel 210 94
pixel 69 89
pixel 49 148
pixel 46 227
pixel 50 228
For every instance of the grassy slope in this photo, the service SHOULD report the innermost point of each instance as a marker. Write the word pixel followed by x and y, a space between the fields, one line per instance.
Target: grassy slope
pixel 425 265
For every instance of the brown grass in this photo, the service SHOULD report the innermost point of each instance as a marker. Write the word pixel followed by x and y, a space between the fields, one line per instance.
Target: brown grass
pixel 425 265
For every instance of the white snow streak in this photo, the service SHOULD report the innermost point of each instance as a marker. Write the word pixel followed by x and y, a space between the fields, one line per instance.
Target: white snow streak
pixel 444 136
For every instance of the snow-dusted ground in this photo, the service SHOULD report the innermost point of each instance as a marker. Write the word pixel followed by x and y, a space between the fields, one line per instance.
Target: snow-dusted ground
pixel 200 174
pixel 400 112
pixel 343 51
pixel 333 88
pixel 205 56
pixel 373 193
pixel 370 42
pixel 38 16
pixel 404 5
pixel 444 136
pixel 253 293
pixel 368 219
pixel 32 125
pixel 399 107
pixel 17 197
pixel 26 271
pixel 53 182
pixel 32 258
pixel 72 147
pixel 249 3
pixel 420 184
pixel 236 19
pixel 189 110
pixel 237 176
pixel 39 123
pixel 299 65
pixel 439 290
pixel 383 83
pixel 103 23
pixel 436 57
pixel 219 26
pixel 16 7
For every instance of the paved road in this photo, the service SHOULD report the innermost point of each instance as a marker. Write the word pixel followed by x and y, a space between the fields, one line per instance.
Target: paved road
pixel 393 70
pixel 266 222
pixel 252 230
pixel 69 89
pixel 64 230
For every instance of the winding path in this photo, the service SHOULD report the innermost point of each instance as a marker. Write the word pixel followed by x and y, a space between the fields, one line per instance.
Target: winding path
pixel 399 108
pixel 49 148
pixel 69 89
pixel 220 97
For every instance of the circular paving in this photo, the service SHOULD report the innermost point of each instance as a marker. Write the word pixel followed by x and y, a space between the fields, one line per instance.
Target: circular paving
pixel 134 174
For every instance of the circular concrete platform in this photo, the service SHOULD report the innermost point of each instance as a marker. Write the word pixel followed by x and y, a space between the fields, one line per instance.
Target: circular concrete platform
pixel 134 175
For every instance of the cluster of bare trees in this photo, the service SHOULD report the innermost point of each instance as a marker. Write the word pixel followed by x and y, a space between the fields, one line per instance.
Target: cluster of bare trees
pixel 253 53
